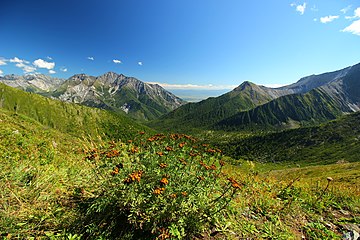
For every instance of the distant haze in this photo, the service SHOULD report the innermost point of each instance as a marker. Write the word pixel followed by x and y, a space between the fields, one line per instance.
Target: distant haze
pixel 197 95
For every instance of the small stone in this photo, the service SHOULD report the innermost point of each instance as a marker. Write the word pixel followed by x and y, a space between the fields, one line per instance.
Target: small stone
pixel 329 179
pixel 352 235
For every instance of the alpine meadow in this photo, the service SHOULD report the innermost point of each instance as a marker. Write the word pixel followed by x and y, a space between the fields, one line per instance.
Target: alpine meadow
pixel 94 144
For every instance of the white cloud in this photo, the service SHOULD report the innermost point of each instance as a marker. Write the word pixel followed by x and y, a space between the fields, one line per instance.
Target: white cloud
pixel 17 60
pixel 25 68
pixel 353 28
pixel 49 58
pixel 140 63
pixel 194 86
pixel 1 73
pixel 357 12
pixel 40 63
pixel 116 61
pixel 2 62
pixel 328 19
pixel 345 10
pixel 52 72
pixel 63 69
pixel 91 58
pixel 23 64
pixel 301 8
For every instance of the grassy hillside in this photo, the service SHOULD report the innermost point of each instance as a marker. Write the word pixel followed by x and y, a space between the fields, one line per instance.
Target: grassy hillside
pixel 203 114
pixel 336 141
pixel 61 185
pixel 300 109
pixel 40 167
pixel 70 118
pixel 352 83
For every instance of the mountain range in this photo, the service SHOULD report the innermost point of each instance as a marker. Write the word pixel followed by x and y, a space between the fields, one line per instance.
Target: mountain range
pixel 313 99
pixel 110 91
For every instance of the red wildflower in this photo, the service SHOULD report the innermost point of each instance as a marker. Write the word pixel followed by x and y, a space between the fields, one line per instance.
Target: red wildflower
pixel 168 148
pixel 164 181
pixel 160 154
pixel 158 191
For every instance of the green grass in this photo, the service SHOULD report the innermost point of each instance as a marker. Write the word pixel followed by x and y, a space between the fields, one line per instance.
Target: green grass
pixel 202 115
pixel 55 187
pixel 40 168
pixel 48 181
pixel 306 109
pixel 66 117
pixel 336 141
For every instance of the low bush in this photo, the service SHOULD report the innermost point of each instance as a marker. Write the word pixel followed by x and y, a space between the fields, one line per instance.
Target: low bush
pixel 164 186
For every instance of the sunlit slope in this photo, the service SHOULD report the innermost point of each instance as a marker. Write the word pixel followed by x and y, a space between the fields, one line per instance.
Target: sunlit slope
pixel 67 117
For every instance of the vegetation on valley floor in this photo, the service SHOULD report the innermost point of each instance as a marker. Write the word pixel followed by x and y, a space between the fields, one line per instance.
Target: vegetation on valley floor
pixel 70 181
pixel 50 186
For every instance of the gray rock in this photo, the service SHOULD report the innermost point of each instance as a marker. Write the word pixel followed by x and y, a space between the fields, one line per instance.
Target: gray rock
pixel 351 235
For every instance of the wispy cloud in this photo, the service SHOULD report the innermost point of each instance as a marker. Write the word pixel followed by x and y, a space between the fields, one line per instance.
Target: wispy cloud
pixel 328 19
pixel 63 69
pixel 52 72
pixel 18 60
pixel 3 61
pixel 1 73
pixel 40 63
pixel 356 14
pixel 194 86
pixel 140 63
pixel 299 7
pixel 345 10
pixel 116 61
pixel 26 68
pixel 49 58
pixel 23 64
pixel 91 58
pixel 353 28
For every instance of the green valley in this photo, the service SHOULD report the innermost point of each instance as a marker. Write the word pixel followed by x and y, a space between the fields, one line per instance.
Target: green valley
pixel 260 164
pixel 335 141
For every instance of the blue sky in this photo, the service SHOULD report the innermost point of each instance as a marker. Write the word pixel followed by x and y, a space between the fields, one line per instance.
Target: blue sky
pixel 182 44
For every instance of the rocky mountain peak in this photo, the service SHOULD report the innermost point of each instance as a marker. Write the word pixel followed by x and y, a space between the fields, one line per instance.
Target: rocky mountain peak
pixel 118 92
pixel 111 78
pixel 10 77
pixel 32 82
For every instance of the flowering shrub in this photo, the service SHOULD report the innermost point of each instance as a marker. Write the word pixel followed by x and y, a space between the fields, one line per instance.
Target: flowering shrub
pixel 165 186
